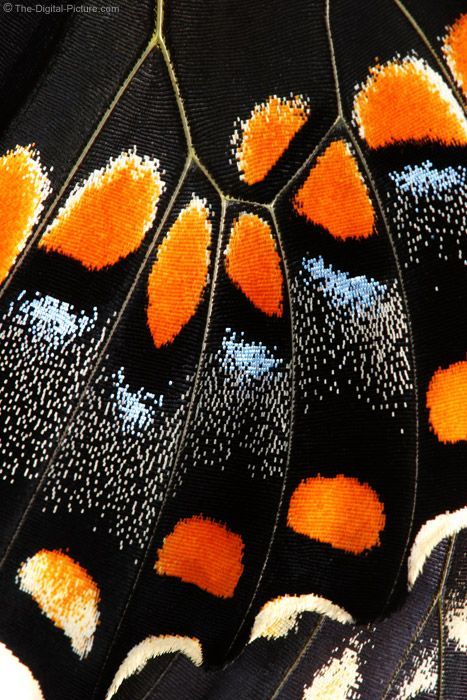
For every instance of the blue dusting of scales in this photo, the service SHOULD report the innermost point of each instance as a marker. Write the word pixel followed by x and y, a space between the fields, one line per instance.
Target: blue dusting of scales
pixel 137 408
pixel 423 180
pixel 52 320
pixel 249 359
pixel 355 293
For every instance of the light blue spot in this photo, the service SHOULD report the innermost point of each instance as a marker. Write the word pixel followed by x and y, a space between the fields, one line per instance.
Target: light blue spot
pixel 54 321
pixel 249 359
pixel 136 408
pixel 356 293
pixel 423 180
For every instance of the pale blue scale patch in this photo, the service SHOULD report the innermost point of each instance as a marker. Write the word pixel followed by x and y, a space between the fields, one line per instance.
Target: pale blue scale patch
pixel 248 359
pixel 428 212
pixel 53 321
pixel 424 180
pixel 244 389
pixel 350 333
pixel 48 351
pixel 137 409
pixel 343 291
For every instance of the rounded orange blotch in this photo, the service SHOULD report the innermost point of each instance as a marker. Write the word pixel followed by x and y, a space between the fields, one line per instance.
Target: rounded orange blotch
pixel 446 401
pixel 266 135
pixel 105 219
pixel 340 511
pixel 253 264
pixel 180 273
pixel 204 552
pixel 455 51
pixel 335 196
pixel 408 101
pixel 23 189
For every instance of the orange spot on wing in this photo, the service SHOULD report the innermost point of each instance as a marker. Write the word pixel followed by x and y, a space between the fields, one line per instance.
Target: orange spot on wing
pixel 408 101
pixel 446 401
pixel 335 196
pixel 455 51
pixel 180 273
pixel 203 552
pixel 266 135
pixel 65 592
pixel 253 264
pixel 340 511
pixel 105 219
pixel 23 188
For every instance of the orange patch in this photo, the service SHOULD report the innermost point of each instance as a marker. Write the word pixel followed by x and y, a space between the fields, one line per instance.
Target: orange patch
pixel 340 511
pixel 446 401
pixel 23 189
pixel 66 593
pixel 105 219
pixel 204 552
pixel 253 264
pixel 335 196
pixel 180 273
pixel 266 135
pixel 408 101
pixel 455 51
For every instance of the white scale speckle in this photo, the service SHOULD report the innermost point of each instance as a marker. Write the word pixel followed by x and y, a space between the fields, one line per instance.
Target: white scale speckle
pixel 429 210
pixel 48 349
pixel 353 328
pixel 243 404
pixel 117 457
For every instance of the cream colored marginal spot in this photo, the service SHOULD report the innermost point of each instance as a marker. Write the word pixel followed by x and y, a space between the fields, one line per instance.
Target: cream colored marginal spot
pixel 17 681
pixel 150 648
pixel 66 593
pixel 430 535
pixel 281 615
pixel 338 679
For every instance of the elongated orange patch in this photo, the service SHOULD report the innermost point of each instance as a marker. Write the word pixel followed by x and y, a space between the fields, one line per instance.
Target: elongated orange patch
pixel 455 51
pixel 105 219
pixel 180 273
pixel 335 196
pixel 253 264
pixel 446 401
pixel 406 100
pixel 265 135
pixel 204 552
pixel 66 593
pixel 23 188
pixel 340 511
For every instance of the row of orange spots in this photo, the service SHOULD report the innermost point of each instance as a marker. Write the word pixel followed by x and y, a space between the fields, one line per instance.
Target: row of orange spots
pixel 66 593
pixel 335 196
pixel 446 401
pixel 455 51
pixel 23 188
pixel 406 100
pixel 340 511
pixel 105 219
pixel 402 100
pixel 204 552
pixel 180 273
pixel 266 134
pixel 253 264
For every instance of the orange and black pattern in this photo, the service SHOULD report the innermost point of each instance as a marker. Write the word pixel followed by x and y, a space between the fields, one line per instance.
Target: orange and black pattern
pixel 233 400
